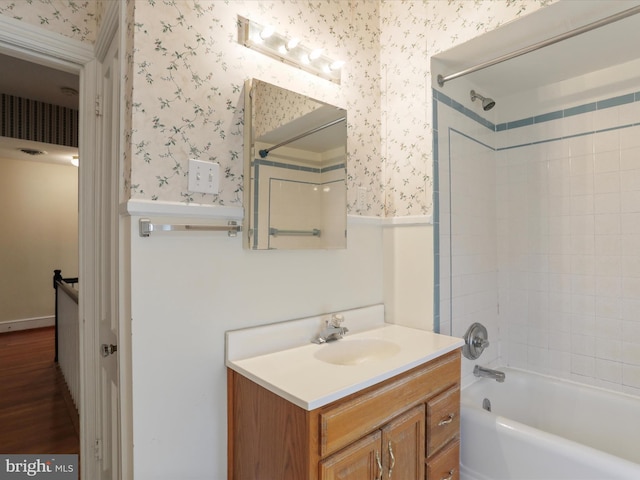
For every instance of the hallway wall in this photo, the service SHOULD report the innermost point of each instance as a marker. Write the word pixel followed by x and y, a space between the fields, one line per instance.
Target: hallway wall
pixel 39 234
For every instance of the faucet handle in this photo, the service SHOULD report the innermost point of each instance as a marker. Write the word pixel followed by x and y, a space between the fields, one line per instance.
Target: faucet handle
pixel 336 320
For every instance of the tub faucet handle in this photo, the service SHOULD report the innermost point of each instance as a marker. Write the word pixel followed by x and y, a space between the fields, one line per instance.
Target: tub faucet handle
pixel 475 341
pixel 336 320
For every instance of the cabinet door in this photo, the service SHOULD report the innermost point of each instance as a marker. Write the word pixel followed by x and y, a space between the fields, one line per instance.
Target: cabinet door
pixel 360 461
pixel 403 446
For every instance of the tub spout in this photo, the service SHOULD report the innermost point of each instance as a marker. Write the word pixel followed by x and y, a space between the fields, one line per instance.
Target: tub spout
pixel 479 371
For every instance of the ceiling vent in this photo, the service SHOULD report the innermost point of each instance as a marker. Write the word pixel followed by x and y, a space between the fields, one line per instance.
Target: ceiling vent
pixel 32 151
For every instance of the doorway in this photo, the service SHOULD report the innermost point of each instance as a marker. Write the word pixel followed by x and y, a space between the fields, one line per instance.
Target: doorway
pixel 39 192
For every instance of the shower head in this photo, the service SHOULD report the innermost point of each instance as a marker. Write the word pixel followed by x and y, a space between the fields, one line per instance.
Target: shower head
pixel 487 103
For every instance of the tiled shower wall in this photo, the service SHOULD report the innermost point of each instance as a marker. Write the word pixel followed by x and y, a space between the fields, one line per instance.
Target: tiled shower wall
pixel 568 210
pixel 567 237
pixel 466 221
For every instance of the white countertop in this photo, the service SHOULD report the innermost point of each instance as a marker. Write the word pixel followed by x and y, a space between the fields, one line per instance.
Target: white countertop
pixel 296 374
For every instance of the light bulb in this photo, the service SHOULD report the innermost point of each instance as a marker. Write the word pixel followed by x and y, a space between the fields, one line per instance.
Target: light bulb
pixel 337 65
pixel 315 54
pixel 267 32
pixel 292 43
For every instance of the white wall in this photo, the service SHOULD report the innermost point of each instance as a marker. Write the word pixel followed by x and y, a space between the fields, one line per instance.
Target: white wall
pixel 187 289
pixel 408 273
pixel 39 234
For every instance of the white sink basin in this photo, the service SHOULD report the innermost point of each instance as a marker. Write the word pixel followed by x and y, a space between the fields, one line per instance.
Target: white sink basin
pixel 356 351
pixel 280 357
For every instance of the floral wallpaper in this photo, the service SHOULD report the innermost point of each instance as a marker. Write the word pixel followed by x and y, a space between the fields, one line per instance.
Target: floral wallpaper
pixel 186 71
pixel 77 19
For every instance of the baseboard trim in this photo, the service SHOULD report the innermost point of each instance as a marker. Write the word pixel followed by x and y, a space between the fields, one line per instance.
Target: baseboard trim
pixel 26 324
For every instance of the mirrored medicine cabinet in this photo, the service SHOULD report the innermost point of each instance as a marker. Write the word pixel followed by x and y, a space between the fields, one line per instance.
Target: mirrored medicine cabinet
pixel 295 170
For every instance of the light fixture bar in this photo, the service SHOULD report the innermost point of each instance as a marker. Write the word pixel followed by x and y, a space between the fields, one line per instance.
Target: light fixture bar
pixel 265 40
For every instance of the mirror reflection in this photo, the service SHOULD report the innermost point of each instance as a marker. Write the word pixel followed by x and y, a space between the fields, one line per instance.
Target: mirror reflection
pixel 295 170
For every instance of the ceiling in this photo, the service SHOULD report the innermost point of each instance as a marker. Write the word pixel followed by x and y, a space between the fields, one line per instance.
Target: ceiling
pixel 37 82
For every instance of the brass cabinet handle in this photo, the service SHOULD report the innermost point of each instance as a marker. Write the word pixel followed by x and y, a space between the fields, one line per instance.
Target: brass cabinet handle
pixel 379 477
pixel 393 460
pixel 447 420
pixel 451 472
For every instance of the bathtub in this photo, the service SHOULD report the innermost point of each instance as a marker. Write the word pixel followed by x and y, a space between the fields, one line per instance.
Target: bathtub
pixel 543 428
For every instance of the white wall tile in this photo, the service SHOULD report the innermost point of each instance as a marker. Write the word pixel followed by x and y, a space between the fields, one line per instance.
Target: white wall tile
pixel 608 349
pixel 606 224
pixel 630 201
pixel 609 371
pixel 606 161
pixel 631 266
pixel 609 140
pixel 630 179
pixel 631 375
pixel 609 307
pixel 583 365
pixel 607 203
pixel 608 286
pixel 631 353
pixel 606 182
pixel 630 157
pixel 630 137
pixel 629 114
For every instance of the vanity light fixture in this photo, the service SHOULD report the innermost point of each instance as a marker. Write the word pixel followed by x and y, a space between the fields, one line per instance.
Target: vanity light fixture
pixel 289 50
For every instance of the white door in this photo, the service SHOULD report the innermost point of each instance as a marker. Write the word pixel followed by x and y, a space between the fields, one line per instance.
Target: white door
pixel 108 423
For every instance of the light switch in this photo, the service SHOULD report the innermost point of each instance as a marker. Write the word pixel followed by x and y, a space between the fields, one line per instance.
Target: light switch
pixel 204 177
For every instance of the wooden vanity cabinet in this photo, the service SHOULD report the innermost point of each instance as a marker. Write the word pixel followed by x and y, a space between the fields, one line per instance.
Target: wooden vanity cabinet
pixel 380 433
pixel 395 451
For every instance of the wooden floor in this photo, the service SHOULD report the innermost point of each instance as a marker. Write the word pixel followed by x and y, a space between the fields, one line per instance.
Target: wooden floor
pixel 34 417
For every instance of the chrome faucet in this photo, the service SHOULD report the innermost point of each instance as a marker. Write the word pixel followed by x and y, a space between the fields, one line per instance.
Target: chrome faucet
pixel 332 331
pixel 498 376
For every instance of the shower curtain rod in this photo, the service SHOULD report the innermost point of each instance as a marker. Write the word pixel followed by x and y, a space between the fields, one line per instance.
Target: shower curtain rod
pixel 545 43
pixel 265 152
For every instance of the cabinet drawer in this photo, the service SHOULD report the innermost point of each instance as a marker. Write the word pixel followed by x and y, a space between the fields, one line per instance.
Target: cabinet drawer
pixel 443 419
pixel 353 418
pixel 446 464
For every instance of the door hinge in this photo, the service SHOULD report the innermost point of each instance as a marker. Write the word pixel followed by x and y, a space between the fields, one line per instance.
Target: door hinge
pixel 108 349
pixel 97 449
pixel 98 106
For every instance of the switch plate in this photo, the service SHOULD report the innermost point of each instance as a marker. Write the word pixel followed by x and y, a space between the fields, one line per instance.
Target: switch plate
pixel 204 177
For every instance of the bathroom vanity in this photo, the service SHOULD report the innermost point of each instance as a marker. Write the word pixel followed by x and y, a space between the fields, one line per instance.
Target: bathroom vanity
pixel 301 413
